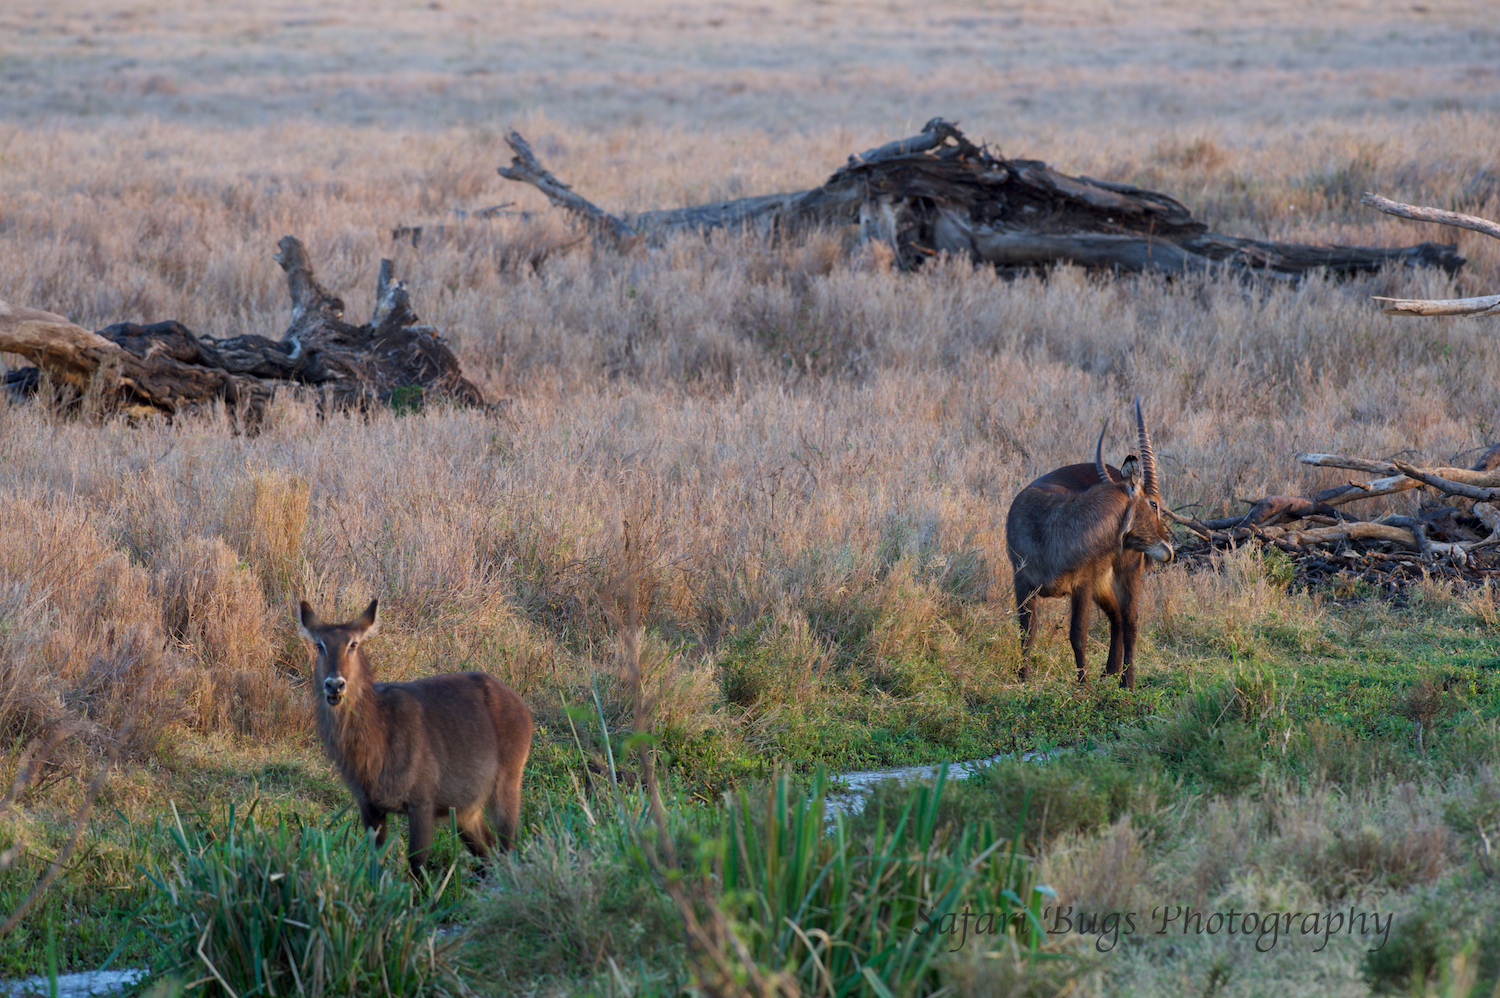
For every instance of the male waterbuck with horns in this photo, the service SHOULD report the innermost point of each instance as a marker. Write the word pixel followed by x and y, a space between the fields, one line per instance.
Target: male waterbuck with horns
pixel 1085 531
pixel 455 741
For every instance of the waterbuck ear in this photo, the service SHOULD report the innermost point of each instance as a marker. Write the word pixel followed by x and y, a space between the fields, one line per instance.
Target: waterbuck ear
pixel 307 617
pixel 369 621
pixel 1130 469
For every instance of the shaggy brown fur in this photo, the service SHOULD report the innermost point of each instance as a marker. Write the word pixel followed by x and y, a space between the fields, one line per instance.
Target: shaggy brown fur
pixel 1085 531
pixel 457 741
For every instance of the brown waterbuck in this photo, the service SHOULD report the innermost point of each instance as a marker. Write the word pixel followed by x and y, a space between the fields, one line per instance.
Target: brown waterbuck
pixel 455 741
pixel 1086 531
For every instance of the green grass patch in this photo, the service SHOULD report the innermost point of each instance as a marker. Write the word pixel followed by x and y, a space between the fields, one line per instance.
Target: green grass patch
pixel 247 909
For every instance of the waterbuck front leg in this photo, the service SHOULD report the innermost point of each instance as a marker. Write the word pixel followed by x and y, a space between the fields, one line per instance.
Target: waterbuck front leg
pixel 1127 586
pixel 1109 602
pixel 1026 614
pixel 418 835
pixel 1130 613
pixel 1078 632
pixel 373 818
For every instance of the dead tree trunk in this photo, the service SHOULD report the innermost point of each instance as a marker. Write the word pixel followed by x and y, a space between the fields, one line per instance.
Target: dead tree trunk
pixel 938 192
pixel 165 367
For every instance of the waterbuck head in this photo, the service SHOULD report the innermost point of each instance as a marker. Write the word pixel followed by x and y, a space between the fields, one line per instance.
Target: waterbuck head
pixel 1141 527
pixel 342 672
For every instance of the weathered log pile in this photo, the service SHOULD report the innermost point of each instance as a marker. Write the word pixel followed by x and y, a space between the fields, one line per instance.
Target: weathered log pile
pixel 165 368
pixel 938 192
pixel 1453 532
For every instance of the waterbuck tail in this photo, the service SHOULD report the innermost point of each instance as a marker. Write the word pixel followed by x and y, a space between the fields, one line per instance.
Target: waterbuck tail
pixel 1148 456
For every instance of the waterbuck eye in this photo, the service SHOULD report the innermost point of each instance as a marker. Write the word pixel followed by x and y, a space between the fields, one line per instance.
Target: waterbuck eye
pixel 322 648
pixel 353 645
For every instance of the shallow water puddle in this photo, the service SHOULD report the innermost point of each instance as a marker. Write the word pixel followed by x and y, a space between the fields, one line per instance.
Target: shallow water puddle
pixel 862 782
pixel 96 982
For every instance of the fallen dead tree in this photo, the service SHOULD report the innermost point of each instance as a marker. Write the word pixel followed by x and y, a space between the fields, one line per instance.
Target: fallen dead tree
pixel 166 368
pixel 1454 531
pixel 1483 305
pixel 938 192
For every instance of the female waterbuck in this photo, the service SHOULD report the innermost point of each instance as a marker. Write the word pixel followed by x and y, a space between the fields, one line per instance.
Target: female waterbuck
pixel 1085 531
pixel 456 741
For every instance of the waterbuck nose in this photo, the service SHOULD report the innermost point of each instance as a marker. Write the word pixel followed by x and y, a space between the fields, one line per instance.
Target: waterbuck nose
pixel 334 685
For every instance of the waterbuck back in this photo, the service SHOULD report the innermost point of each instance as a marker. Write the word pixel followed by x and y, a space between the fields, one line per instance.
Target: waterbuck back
pixel 1086 531
pixel 455 741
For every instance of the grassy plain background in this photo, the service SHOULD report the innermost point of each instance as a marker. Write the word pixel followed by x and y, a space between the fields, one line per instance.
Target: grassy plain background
pixel 818 456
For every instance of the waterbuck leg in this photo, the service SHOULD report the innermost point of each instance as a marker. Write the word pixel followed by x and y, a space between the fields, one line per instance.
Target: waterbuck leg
pixel 1026 613
pixel 507 809
pixel 476 833
pixel 419 836
pixel 1116 635
pixel 1078 633
pixel 1132 620
pixel 374 818
pixel 1126 589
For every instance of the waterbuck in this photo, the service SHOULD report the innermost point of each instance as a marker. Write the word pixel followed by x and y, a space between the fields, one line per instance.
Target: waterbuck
pixel 456 741
pixel 1085 531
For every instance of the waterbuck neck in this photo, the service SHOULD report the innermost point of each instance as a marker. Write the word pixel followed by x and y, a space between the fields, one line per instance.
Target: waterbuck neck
pixel 354 731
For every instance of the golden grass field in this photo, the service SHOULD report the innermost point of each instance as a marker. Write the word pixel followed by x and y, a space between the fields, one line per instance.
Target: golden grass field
pixel 780 424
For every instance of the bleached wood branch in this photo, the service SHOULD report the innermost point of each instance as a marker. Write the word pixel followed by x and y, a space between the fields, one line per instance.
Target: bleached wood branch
pixel 1486 305
pixel 1351 463
pixel 1437 215
pixel 1483 478
pixel 1447 485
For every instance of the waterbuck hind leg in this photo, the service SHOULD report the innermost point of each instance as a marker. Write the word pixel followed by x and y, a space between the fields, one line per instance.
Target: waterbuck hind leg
pixel 475 832
pixel 1026 614
pixel 505 810
pixel 1078 631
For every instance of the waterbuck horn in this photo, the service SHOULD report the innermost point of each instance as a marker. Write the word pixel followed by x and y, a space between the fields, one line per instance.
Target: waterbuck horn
pixel 1099 456
pixel 1148 456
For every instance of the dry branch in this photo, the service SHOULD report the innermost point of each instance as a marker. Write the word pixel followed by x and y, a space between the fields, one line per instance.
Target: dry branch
pixel 1352 491
pixel 525 168
pixel 1351 463
pixel 165 367
pixel 937 192
pixel 1437 215
pixel 1446 485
